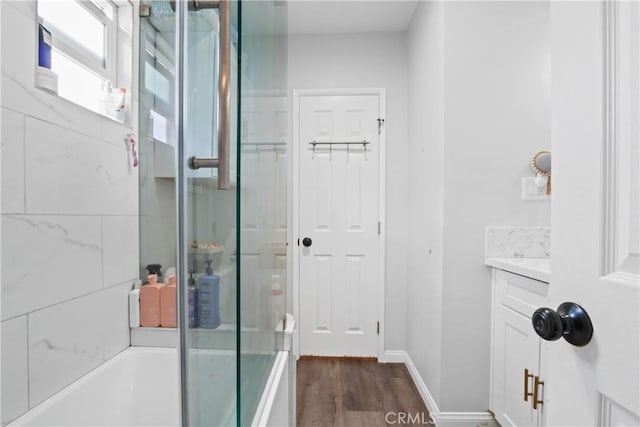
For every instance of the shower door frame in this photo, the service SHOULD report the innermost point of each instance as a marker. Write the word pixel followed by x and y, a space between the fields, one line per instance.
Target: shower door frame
pixel 293 223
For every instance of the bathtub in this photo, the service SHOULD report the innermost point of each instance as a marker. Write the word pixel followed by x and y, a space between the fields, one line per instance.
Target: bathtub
pixel 140 387
pixel 121 392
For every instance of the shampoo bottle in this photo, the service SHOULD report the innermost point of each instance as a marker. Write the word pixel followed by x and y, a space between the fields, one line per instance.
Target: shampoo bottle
pixel 193 301
pixel 208 299
pixel 150 302
pixel 168 303
pixel 155 269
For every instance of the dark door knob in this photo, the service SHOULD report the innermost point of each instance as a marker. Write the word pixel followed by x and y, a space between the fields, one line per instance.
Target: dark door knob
pixel 306 242
pixel 570 322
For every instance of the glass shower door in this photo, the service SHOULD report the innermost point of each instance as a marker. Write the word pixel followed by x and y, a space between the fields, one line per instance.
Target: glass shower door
pixel 207 194
pixel 231 188
pixel 262 190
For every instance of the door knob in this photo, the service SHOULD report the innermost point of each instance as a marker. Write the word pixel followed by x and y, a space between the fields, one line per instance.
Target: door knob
pixel 570 322
pixel 306 242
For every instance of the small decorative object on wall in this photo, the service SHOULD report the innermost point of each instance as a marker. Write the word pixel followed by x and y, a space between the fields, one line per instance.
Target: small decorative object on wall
pixel 131 139
pixel 541 165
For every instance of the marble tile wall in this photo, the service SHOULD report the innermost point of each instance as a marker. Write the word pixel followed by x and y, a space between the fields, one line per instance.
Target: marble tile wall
pixel 69 228
pixel 518 242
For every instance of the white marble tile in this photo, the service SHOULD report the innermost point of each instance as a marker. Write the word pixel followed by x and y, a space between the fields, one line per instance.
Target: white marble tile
pixel 68 340
pixel 120 249
pixel 12 184
pixel 18 44
pixel 15 398
pixel 114 133
pixel 115 316
pixel 517 242
pixel 48 259
pixel 27 7
pixel 70 173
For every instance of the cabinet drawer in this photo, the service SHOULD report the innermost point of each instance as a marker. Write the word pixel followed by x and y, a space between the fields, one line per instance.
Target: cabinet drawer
pixel 522 294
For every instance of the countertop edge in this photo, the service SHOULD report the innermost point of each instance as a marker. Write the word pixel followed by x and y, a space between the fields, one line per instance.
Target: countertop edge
pixel 528 267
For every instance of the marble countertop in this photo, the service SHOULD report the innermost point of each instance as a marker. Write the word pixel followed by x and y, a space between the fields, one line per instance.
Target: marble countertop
pixel 535 268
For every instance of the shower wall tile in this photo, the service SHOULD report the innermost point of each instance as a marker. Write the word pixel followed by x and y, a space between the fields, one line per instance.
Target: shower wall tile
pixel 26 7
pixel 12 183
pixel 69 225
pixel 47 260
pixel 113 133
pixel 70 173
pixel 68 340
pixel 120 249
pixel 115 319
pixel 15 64
pixel 518 242
pixel 15 398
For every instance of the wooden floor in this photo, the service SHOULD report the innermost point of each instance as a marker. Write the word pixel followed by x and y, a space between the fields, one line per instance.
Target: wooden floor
pixel 354 393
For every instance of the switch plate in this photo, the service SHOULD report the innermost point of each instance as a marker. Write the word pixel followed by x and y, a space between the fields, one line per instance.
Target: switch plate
pixel 530 191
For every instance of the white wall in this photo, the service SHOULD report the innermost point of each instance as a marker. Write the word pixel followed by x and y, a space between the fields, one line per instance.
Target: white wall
pixel 360 61
pixel 69 229
pixel 426 202
pixel 480 102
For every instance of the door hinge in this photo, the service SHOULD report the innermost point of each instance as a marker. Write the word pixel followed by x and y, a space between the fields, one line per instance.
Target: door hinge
pixel 379 227
pixel 378 328
pixel 380 123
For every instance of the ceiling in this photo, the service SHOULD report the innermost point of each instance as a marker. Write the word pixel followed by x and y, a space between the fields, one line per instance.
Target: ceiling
pixel 356 16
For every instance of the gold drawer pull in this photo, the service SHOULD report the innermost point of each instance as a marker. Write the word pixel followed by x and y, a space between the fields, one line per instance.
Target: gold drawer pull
pixel 536 394
pixel 527 375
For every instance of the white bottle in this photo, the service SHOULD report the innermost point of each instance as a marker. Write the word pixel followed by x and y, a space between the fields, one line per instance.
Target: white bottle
pixel 134 305
pixel 105 100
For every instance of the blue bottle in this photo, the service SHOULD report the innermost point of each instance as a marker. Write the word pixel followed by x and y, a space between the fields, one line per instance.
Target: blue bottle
pixel 44 47
pixel 208 299
pixel 193 301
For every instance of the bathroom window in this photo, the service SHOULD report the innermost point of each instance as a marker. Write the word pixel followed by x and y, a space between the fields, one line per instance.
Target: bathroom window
pixel 89 39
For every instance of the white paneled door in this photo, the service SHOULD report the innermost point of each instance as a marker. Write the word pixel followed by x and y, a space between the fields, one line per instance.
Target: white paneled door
pixel 595 207
pixel 339 231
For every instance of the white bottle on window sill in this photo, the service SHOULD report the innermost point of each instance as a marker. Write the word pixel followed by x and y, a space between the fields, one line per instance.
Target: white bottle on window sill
pixel 104 100
pixel 119 98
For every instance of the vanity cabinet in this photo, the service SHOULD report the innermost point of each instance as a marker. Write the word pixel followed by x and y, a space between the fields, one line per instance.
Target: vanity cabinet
pixel 518 354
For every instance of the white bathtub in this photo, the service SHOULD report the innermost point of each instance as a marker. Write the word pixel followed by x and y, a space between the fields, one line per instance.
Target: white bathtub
pixel 138 387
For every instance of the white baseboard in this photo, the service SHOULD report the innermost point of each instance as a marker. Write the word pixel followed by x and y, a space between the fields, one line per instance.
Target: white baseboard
pixel 448 419
pixel 421 386
pixel 393 356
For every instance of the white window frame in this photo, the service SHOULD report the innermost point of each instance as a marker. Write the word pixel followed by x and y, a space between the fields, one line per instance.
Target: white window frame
pixel 105 68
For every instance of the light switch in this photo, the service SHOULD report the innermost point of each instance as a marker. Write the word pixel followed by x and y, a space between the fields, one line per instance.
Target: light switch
pixel 530 191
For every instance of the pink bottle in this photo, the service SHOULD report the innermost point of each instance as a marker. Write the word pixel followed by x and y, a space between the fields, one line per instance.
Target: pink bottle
pixel 150 302
pixel 168 304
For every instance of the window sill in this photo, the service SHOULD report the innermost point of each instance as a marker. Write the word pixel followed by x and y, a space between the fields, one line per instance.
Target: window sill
pixel 46 82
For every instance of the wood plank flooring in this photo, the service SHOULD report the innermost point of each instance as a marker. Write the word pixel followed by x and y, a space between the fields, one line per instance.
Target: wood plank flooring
pixel 357 393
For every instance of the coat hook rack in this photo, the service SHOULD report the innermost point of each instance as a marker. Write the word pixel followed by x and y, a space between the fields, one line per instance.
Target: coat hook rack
pixel 364 144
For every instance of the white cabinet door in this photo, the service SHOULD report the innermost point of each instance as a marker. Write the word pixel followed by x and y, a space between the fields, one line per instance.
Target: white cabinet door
pixel 517 349
pixel 594 215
